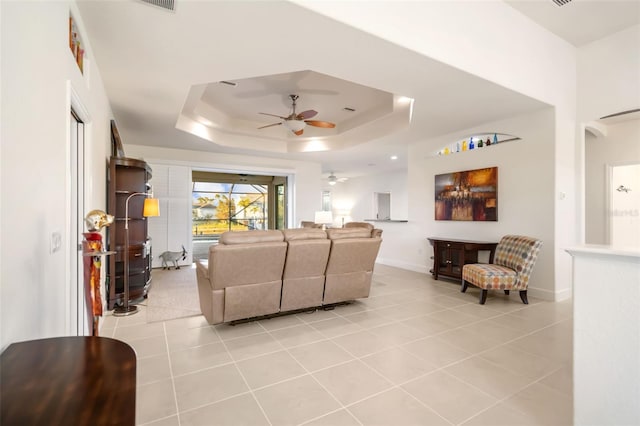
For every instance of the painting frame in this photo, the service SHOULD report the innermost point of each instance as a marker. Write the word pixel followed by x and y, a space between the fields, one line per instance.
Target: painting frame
pixel 469 195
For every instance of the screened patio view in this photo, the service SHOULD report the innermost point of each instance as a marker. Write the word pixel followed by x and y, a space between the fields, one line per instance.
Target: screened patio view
pixel 224 202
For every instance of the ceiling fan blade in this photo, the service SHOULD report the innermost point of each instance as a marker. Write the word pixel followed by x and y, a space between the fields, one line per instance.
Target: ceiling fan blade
pixel 273 115
pixel 316 123
pixel 270 125
pixel 306 114
pixel 299 132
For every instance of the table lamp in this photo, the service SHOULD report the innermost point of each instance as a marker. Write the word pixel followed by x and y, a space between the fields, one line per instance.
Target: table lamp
pixel 323 218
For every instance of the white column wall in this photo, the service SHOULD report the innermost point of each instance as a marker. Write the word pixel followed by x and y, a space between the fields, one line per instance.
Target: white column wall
pixel 606 336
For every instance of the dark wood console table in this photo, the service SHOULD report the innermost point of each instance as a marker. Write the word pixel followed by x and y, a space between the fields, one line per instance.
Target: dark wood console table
pixel 68 381
pixel 450 255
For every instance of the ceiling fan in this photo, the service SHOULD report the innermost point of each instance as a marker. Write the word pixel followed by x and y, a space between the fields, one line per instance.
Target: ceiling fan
pixel 297 122
pixel 333 179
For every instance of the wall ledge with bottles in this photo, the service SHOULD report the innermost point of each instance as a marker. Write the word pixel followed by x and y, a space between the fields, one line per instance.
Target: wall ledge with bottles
pixel 476 141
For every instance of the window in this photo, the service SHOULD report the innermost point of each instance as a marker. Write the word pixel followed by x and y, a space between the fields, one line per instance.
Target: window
pixel 220 207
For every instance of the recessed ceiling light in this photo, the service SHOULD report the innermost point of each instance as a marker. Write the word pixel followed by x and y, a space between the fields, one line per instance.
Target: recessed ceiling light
pixel 394 157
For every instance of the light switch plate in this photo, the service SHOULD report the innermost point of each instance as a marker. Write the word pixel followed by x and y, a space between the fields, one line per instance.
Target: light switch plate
pixel 56 241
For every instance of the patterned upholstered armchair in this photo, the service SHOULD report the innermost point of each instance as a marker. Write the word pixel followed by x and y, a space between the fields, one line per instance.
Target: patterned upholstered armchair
pixel 514 260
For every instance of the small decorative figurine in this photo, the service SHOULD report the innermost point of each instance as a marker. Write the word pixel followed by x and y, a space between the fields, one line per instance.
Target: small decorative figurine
pixel 174 257
pixel 97 219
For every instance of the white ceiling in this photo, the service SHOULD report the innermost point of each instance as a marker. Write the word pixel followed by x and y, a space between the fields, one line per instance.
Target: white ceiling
pixel 581 21
pixel 151 60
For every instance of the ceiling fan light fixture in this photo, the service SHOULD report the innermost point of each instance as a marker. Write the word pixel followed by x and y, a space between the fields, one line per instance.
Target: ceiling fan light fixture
pixel 332 179
pixel 294 125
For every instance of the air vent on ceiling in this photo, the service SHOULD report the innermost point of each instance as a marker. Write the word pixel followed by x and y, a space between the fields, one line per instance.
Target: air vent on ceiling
pixel 165 4
pixel 228 83
pixel 561 2
pixel 349 109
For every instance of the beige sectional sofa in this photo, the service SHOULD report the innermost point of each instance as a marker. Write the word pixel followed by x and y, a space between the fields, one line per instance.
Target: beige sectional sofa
pixel 256 273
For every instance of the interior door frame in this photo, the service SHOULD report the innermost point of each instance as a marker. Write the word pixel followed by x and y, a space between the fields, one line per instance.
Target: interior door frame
pixel 76 322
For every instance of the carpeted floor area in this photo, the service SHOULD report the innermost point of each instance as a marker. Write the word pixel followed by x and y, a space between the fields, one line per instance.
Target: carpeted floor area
pixel 173 294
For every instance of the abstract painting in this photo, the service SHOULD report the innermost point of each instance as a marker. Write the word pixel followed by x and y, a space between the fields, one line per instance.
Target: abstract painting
pixel 471 195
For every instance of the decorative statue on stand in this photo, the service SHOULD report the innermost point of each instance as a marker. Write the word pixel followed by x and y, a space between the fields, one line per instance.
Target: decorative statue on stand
pixel 93 252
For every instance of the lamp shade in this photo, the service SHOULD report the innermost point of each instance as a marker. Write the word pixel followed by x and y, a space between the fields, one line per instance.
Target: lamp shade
pixel 323 217
pixel 151 207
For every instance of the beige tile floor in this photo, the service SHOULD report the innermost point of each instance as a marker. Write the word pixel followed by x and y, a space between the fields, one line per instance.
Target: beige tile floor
pixel 416 352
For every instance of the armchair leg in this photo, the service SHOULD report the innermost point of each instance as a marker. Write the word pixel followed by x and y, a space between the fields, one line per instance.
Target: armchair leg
pixel 465 284
pixel 506 292
pixel 523 296
pixel 483 297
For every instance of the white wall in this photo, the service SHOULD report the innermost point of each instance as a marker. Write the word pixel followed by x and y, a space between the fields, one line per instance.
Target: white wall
pixel 525 197
pixel 37 68
pixel 306 188
pixel 172 186
pixel 619 146
pixel 609 75
pixel 357 195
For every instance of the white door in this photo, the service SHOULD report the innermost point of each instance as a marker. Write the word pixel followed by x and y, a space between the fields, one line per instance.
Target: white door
pixel 625 205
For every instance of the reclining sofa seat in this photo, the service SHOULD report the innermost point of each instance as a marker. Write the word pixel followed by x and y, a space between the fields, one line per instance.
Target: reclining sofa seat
pixel 303 277
pixel 243 276
pixel 375 232
pixel 350 265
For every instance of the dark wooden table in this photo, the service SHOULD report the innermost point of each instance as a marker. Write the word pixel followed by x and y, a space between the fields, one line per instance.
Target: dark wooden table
pixel 68 381
pixel 450 255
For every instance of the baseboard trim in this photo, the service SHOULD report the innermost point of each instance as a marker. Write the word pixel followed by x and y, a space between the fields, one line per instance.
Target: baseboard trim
pixel 540 293
pixel 403 265
pixel 550 295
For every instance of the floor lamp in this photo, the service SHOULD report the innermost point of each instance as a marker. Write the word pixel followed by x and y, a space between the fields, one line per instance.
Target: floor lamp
pixel 151 208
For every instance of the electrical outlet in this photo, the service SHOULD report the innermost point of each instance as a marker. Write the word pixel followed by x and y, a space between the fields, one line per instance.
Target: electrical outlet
pixel 56 241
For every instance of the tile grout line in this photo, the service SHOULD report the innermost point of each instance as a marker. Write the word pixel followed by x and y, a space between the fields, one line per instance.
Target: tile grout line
pixel 173 382
pixel 244 379
pixel 399 346
pixel 314 379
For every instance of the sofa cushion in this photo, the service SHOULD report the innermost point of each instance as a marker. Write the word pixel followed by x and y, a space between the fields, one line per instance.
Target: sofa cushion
pixel 338 234
pixel 304 234
pixel 251 237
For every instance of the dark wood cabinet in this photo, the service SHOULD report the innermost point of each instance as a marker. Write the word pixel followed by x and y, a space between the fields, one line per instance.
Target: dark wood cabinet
pixel 128 176
pixel 450 255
